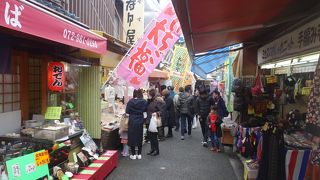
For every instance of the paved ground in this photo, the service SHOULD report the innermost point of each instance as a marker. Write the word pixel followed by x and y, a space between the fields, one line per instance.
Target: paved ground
pixel 178 159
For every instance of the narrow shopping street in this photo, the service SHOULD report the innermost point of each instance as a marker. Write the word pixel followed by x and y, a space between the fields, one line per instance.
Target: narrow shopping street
pixel 180 160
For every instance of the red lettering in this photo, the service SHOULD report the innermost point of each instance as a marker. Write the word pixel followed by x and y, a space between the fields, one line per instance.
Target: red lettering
pixel 164 41
pixel 138 59
pixel 154 33
pixel 173 23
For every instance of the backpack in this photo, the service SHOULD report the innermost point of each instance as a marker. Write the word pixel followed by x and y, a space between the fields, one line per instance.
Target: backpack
pixel 191 105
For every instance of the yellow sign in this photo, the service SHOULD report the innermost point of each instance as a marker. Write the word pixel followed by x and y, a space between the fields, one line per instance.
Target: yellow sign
pixel 271 79
pixel 53 113
pixel 42 157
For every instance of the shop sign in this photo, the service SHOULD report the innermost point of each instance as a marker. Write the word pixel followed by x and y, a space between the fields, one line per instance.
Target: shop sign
pixel 27 18
pixel 304 39
pixel 151 48
pixel 56 77
pixel 133 22
pixel 24 167
pixel 42 157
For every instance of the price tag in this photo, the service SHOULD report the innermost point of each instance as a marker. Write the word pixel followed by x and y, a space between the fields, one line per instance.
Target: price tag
pixel 42 158
pixel 16 170
pixel 30 168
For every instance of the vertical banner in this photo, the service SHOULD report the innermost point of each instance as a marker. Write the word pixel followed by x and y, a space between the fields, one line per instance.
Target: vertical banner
pixel 56 78
pixel 133 20
pixel 151 48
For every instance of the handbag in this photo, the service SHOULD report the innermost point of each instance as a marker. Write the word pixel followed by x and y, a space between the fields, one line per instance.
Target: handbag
pixel 257 90
pixel 124 122
pixel 158 120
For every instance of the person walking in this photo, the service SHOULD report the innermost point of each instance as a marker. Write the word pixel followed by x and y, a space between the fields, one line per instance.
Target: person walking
pixel 135 108
pixel 203 104
pixel 157 105
pixel 177 113
pixel 219 104
pixel 169 112
pixel 184 106
pixel 212 122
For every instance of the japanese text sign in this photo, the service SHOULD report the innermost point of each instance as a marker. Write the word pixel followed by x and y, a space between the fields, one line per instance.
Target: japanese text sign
pixel 26 18
pixel 56 77
pixel 151 48
pixel 53 113
pixel 303 40
pixel 24 167
pixel 133 20
pixel 41 158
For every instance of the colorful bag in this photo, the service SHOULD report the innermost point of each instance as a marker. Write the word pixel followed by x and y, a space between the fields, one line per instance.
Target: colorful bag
pixel 257 90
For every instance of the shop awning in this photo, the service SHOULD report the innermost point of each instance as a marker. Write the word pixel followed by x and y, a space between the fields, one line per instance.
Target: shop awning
pixel 27 18
pixel 207 62
pixel 209 24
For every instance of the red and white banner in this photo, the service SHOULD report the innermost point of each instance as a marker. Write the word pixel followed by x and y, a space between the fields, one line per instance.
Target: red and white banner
pixel 151 49
pixel 22 16
pixel 56 77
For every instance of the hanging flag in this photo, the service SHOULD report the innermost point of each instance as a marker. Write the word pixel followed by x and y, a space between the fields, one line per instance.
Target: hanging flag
pixel 56 78
pixel 151 49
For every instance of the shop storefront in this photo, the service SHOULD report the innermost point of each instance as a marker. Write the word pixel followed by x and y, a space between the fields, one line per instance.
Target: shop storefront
pixel 279 132
pixel 45 97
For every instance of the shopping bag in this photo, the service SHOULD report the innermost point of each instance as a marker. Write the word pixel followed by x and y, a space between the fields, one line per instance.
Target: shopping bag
pixel 153 124
pixel 195 124
pixel 158 120
pixel 124 122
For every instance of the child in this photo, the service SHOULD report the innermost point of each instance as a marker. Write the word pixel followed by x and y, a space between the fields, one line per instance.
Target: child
pixel 123 131
pixel 213 125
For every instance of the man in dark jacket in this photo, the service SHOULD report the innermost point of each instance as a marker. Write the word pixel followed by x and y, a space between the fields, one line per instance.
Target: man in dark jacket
pixel 203 104
pixel 185 107
pixel 170 114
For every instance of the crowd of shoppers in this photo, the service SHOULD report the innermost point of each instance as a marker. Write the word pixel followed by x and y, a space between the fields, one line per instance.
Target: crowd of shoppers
pixel 168 110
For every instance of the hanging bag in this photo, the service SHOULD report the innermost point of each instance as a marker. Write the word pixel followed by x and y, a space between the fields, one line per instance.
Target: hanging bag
pixel 257 90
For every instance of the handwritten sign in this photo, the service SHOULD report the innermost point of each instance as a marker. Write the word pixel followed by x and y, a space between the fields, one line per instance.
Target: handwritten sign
pixel 41 158
pixel 151 49
pixel 24 167
pixel 133 20
pixel 53 113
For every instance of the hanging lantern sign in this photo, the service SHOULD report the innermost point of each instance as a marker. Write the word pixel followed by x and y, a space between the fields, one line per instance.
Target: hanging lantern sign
pixel 56 77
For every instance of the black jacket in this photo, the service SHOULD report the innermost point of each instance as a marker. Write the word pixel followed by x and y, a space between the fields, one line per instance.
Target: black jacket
pixel 170 113
pixel 203 104
pixel 185 104
pixel 156 105
pixel 135 109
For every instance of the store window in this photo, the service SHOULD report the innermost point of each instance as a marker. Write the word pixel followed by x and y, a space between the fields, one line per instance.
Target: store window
pixel 34 86
pixel 9 92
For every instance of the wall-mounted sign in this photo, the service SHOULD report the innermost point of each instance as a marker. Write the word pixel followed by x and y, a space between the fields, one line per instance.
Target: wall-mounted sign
pixel 24 167
pixel 133 20
pixel 56 77
pixel 302 40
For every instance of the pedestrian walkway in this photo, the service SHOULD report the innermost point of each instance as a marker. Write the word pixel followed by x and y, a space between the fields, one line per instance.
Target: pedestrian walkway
pixel 178 159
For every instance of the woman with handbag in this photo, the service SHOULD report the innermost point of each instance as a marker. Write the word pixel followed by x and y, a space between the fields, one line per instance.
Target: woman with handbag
pixel 135 108
pixel 156 105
